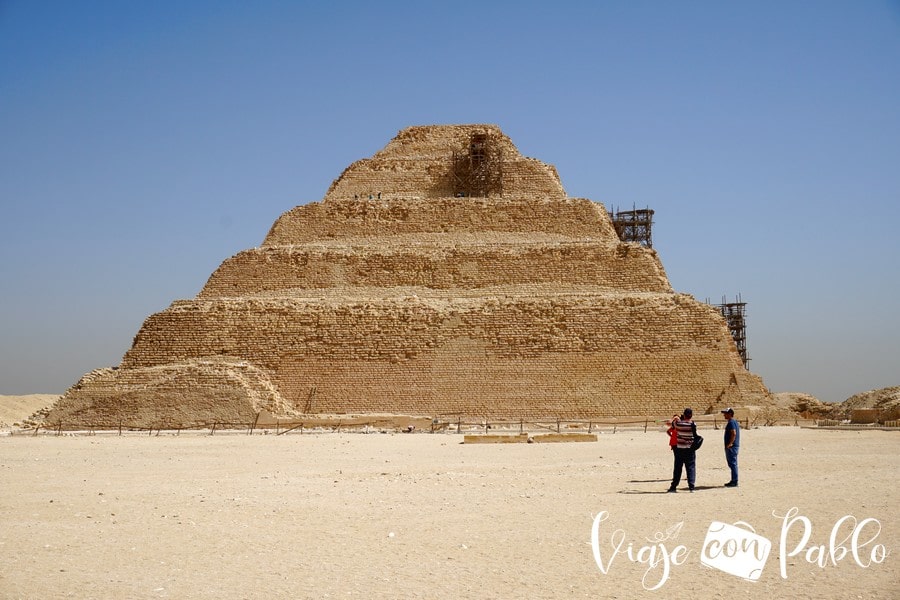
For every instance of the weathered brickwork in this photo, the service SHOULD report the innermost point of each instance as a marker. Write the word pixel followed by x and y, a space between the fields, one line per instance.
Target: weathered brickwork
pixel 367 218
pixel 623 267
pixel 522 304
pixel 184 394
pixel 525 356
pixel 415 165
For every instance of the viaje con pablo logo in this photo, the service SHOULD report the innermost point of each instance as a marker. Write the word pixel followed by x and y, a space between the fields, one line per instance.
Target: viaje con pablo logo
pixel 737 549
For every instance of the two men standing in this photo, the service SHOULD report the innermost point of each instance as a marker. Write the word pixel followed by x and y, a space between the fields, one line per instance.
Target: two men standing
pixel 684 432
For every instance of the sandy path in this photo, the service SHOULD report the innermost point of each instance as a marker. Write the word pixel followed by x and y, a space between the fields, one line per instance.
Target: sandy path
pixel 424 516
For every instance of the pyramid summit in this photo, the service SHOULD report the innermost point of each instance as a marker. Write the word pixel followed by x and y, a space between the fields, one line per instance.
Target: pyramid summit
pixel 447 274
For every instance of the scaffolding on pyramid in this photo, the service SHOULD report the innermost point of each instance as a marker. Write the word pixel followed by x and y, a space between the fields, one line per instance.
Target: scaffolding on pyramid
pixel 635 225
pixel 478 170
pixel 735 314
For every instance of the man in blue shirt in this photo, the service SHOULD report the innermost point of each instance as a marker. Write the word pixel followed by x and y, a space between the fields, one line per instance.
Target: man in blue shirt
pixel 732 445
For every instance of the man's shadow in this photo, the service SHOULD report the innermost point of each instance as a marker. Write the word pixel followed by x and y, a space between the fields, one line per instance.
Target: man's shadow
pixel 681 490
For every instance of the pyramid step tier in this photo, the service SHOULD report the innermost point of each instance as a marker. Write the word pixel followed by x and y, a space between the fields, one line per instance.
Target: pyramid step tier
pixel 623 267
pixel 348 218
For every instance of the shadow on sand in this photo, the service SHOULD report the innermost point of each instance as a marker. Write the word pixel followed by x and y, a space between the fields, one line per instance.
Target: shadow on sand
pixel 698 488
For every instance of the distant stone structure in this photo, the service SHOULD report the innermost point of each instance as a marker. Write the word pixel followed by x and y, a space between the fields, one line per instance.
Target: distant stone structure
pixel 445 275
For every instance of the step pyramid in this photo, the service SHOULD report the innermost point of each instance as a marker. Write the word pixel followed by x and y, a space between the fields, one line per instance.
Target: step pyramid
pixel 445 275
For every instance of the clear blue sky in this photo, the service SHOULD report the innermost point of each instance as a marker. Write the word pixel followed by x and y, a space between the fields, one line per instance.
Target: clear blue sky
pixel 142 143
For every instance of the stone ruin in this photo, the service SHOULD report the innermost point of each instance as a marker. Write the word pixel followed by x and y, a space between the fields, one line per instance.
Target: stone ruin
pixel 447 275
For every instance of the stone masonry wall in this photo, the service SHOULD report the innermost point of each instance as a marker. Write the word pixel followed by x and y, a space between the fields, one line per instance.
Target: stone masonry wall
pixel 335 219
pixel 182 394
pixel 568 355
pixel 621 267
pixel 415 164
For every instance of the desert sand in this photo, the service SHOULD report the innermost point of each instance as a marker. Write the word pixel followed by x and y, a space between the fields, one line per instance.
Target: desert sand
pixel 422 515
pixel 15 409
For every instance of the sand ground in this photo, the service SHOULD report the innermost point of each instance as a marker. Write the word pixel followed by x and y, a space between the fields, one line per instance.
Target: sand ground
pixel 14 409
pixel 425 516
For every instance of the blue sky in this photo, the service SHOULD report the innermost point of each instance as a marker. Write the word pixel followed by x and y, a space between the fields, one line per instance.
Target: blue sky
pixel 142 143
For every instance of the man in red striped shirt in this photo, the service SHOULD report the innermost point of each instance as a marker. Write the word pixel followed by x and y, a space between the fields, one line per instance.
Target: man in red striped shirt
pixel 685 456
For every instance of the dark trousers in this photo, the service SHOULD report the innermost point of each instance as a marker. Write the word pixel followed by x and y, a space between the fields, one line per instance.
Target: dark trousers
pixel 688 459
pixel 731 459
